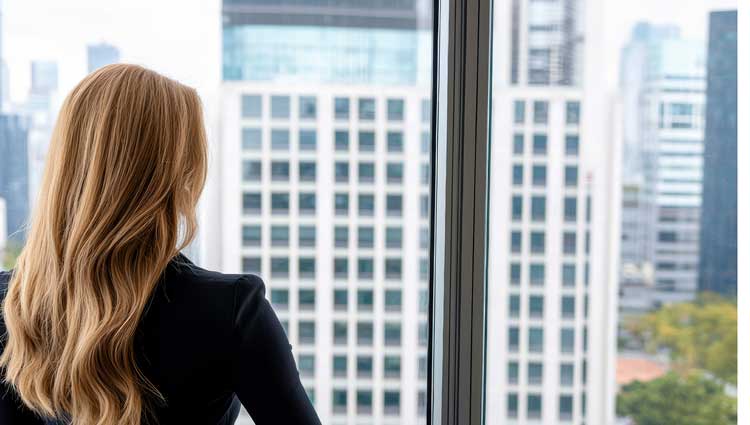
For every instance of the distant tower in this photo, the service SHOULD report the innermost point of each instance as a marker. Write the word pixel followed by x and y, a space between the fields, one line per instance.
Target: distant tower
pixel 14 173
pixel 43 77
pixel 718 262
pixel 101 54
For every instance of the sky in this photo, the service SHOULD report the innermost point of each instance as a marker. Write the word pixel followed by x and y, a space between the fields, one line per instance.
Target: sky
pixel 182 38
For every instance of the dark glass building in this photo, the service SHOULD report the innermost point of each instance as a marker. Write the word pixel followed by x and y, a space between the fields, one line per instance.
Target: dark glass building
pixel 718 262
pixel 14 174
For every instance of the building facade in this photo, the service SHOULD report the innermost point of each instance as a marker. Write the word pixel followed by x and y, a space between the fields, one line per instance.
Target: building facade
pixel 98 55
pixel 663 86
pixel 718 261
pixel 552 265
pixel 14 174
pixel 324 192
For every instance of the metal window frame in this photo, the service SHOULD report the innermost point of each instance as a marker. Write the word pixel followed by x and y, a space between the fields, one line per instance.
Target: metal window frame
pixel 460 158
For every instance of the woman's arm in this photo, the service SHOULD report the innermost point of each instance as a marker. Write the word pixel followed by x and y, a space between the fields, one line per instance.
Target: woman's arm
pixel 265 375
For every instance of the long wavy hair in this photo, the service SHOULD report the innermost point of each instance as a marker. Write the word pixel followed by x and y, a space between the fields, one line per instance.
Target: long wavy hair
pixel 126 166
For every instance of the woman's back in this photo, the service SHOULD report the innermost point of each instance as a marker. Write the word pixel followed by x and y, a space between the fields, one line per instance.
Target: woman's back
pixel 207 341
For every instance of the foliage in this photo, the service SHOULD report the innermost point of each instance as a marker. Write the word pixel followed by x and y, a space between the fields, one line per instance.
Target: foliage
pixel 698 335
pixel 12 251
pixel 676 400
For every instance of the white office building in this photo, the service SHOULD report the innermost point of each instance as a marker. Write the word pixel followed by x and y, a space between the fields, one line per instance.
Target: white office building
pixel 554 219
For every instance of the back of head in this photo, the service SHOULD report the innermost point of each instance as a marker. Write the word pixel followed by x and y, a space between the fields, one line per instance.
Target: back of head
pixel 126 166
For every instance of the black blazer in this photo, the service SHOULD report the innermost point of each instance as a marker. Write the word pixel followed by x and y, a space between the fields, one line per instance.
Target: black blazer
pixel 208 341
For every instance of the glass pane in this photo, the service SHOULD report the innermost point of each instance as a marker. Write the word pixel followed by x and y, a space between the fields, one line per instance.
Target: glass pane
pixel 576 83
pixel 319 181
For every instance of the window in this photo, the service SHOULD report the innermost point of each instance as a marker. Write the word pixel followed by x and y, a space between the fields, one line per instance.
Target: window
pixel 307 107
pixel 519 111
pixel 366 141
pixel 395 172
pixel 364 299
pixel 307 332
pixel 518 144
pixel 251 171
pixel 395 110
pixel 279 235
pixel 538 208
pixel 251 106
pixel 540 144
pixel 512 405
pixel 306 268
pixel 280 267
pixel 539 175
pixel 392 366
pixel 306 203
pixel 251 235
pixel 341 236
pixel 341 108
pixel 536 306
pixel 569 275
pixel 426 142
pixel 393 268
pixel 307 365
pixel 570 209
pixel 280 171
pixel 566 375
pixel 393 237
pixel 536 274
pixel 572 112
pixel 340 299
pixel 537 242
pixel 339 398
pixel 341 203
pixel 251 139
pixel 364 402
pixel 512 373
pixel 279 107
pixel 571 145
pixel 571 175
pixel 340 333
pixel 566 408
pixel 513 339
pixel 341 171
pixel 515 274
pixel 279 140
pixel 391 403
pixel 518 175
pixel 307 236
pixel 540 112
pixel 308 140
pixel 514 306
pixel 515 242
pixel 341 268
pixel 280 298
pixel 536 340
pixel 339 366
pixel 568 307
pixel 393 205
pixel 517 207
pixel 341 140
pixel 307 299
pixel 567 340
pixel 365 268
pixel 366 205
pixel 366 172
pixel 393 300
pixel 535 373
pixel 251 265
pixel 569 243
pixel 534 406
pixel 366 109
pixel 364 365
pixel 395 141
pixel 307 171
pixel 364 334
pixel 426 111
pixel 392 334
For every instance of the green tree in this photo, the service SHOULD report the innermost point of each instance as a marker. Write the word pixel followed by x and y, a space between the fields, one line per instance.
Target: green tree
pixel 8 261
pixel 698 335
pixel 677 400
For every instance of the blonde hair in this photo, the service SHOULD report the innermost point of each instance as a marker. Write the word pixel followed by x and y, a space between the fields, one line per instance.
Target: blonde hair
pixel 126 165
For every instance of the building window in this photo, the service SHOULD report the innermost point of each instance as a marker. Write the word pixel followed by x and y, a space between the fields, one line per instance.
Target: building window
pixel 515 242
pixel 340 299
pixel 251 235
pixel 570 209
pixel 426 111
pixel 364 402
pixel 512 373
pixel 422 402
pixel 519 111
pixel 364 333
pixel 515 274
pixel 339 366
pixel 392 334
pixel 251 139
pixel 541 108
pixel 569 275
pixel 365 268
pixel 571 145
pixel 341 108
pixel 536 274
pixel 251 265
pixel 566 375
pixel 391 403
pixel 393 205
pixel 572 112
pixel 566 407
pixel 366 141
pixel 367 109
pixel 514 306
pixel 279 140
pixel 539 175
pixel 424 206
pixel 307 365
pixel 424 238
pixel 393 300
pixel 279 235
pixel 395 141
pixel 567 340
pixel 341 268
pixel 280 298
pixel 340 332
pixel 280 267
pixel 308 140
pixel 341 171
pixel 280 171
pixel 422 367
pixel 307 171
pixel 517 175
pixel 571 175
pixel 423 301
pixel 251 171
pixel 251 106
pixel 366 172
pixel 538 208
pixel 536 306
pixel 341 140
pixel 306 203
pixel 540 144
pixel 517 207
pixel 393 237
pixel 424 269
pixel 394 172
pixel 569 243
pixel 364 299
pixel 307 107
pixel 534 406
pixel 393 268
pixel 423 335
pixel 341 203
pixel 339 401
pixel 513 339
pixel 392 366
pixel 395 109
pixel 518 144
pixel 537 242
pixel 364 365
pixel 535 373
pixel 341 236
pixel 568 307
pixel 366 205
pixel 307 299
pixel 280 107
pixel 307 332
pixel 512 406
pixel 536 340
pixel 306 268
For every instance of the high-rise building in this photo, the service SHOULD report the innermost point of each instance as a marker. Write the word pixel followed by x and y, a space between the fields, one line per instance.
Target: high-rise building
pixel 14 174
pixel 551 283
pixel 43 77
pixel 663 87
pixel 718 262
pixel 101 54
pixel 40 108
pixel 3 232
pixel 324 191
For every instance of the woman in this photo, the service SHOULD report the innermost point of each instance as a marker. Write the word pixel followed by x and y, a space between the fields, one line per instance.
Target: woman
pixel 105 323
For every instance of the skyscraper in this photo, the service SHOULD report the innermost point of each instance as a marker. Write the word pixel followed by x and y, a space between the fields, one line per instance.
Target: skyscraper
pixel 101 54
pixel 663 85
pixel 43 77
pixel 324 183
pixel 3 232
pixel 551 287
pixel 14 174
pixel 41 113
pixel 718 261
